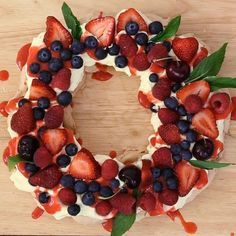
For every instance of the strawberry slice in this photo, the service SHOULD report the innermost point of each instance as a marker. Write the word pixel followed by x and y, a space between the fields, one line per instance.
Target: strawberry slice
pixel 103 28
pixel 84 166
pixel 169 133
pixel 61 80
pixel 162 158
pixel 54 139
pixel 200 88
pixel 131 15
pixel 200 56
pixel 205 123
pixel 56 31
pixel 187 176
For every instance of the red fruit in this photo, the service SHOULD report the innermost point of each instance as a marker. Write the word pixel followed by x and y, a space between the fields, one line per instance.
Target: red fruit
pixel 103 208
pixel 84 166
pixel 200 56
pixel 167 116
pixel 146 175
pixel 103 28
pixel 23 120
pixel 123 202
pixel 200 88
pixel 233 115
pixel 54 139
pixel 169 133
pixel 61 79
pixel 143 100
pixel 56 31
pixel 205 123
pixel 162 89
pixel 158 51
pixel 39 89
pixel 101 75
pixel 67 196
pixel 162 158
pixel 220 102
pixel 109 169
pixel 127 45
pixel 48 177
pixel 193 103
pixel 187 176
pixel 147 202
pixel 42 157
pixel 141 62
pixel 131 15
pixel 54 117
pixel 168 197
pixel 185 48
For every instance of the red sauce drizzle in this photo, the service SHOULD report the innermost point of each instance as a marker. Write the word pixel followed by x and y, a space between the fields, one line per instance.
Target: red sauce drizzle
pixel 4 75
pixel 143 100
pixel 2 108
pixel 113 154
pixel 37 213
pixel 101 67
pixel 22 55
pixel 101 75
pixel 107 225
pixel 232 234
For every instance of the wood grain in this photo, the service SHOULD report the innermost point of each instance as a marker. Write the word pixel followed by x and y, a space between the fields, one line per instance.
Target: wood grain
pixel 108 114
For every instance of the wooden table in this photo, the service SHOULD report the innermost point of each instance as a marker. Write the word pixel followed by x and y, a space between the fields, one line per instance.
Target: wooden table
pixel 108 114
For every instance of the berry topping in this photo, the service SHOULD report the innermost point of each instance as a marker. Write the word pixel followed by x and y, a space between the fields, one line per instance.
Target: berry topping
pixel 109 169
pixel 183 126
pixel 148 47
pixel 55 64
pixel 114 50
pixel 181 110
pixel 168 197
pixel 80 187
pixel 61 79
pixel 103 208
pixel 141 39
pixel 167 173
pixel 140 62
pixel 172 183
pixel 44 197
pixel 193 103
pixel 44 55
pixel 43 102
pixel 94 186
pixel 167 116
pixel 100 53
pixel 175 148
pixel 127 45
pixel 158 51
pixel 71 149
pixel 162 158
pixel 153 77
pixel 203 149
pixel 147 202
pixel 73 210
pixel 168 45
pixel 34 68
pixel 67 196
pixel 121 61
pixel 171 102
pixel 77 47
pixel 162 89
pixel 220 102
pixel 169 133
pixel 114 183
pixel 185 155
pixel 132 28
pixel 185 145
pixel 64 98
pixel 191 136
pixel 66 54
pixel 42 157
pixel 54 117
pixel 45 76
pixel 22 102
pixel 67 181
pixel 176 87
pixel 63 160
pixel 106 191
pixel 56 46
pixel 77 62
pixel 31 168
pixel 155 27
pixel 91 42
pixel 88 199
pixel 156 172
pixel 157 187
pixel 38 113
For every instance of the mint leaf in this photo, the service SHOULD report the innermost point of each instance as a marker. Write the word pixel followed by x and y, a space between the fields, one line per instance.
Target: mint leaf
pixel 13 160
pixel 169 31
pixel 209 164
pixel 71 21
pixel 218 82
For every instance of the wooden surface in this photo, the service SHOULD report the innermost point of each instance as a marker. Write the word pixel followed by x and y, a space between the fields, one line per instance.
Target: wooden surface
pixel 109 117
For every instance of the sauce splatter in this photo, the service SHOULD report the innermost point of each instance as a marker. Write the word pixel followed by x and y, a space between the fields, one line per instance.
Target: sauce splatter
pixel 101 67
pixel 2 108
pixel 232 234
pixel 113 154
pixel 107 225
pixel 37 213
pixel 101 75
pixel 143 100
pixel 4 75
pixel 22 55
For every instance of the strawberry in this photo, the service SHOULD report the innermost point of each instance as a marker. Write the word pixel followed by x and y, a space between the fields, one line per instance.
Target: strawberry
pixel 61 79
pixel 42 157
pixel 162 89
pixel 48 177
pixel 187 176
pixel 185 48
pixel 200 88
pixel 162 158
pixel 168 197
pixel 205 123
pixel 54 139
pixel 39 89
pixel 167 116
pixel 123 202
pixel 193 103
pixel 157 52
pixel 143 100
pixel 103 208
pixel 23 120
pixel 54 117
pixel 103 28
pixel 56 31
pixel 67 196
pixel 131 15
pixel 220 102
pixel 84 166
pixel 146 174
pixel 109 169
pixel 127 45
pixel 169 133
pixel 200 56
pixel 141 62
pixel 147 202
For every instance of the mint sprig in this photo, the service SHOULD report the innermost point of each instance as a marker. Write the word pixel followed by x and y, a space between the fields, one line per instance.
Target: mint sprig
pixel 209 165
pixel 71 21
pixel 13 161
pixel 218 82
pixel 169 31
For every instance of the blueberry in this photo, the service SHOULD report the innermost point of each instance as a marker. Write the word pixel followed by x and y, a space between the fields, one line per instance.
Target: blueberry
pixel 66 54
pixel 38 113
pixel 34 68
pixel 157 187
pixel 67 181
pixel 181 110
pixel 94 187
pixel 186 155
pixel 55 64
pixel 45 76
pixel 171 102
pixel 73 210
pixel 191 136
pixel 153 108
pixel 91 42
pixel 100 53
pixel 183 126
pixel 22 102
pixel 44 197
pixel 172 183
pixel 189 117
pixel 88 199
pixel 155 27
pixel 185 145
pixel 80 187
pixel 71 149
pixel 43 102
pixel 153 78
pixel 77 47
pixel 167 44
pixel 114 50
pixel 177 158
pixel 121 61
pixel 156 173
pixel 77 62
pixel 31 168
pixel 167 173
pixel 176 87
pixel 44 55
pixel 148 47
pixel 141 39
pixel 132 28
pixel 114 183
pixel 56 46
pixel 175 149
pixel 63 160
pixel 106 191
pixel 64 98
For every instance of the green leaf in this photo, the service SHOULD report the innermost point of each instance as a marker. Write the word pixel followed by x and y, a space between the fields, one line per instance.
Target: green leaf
pixel 169 31
pixel 209 66
pixel 136 193
pixel 209 164
pixel 122 223
pixel 12 161
pixel 218 82
pixel 71 21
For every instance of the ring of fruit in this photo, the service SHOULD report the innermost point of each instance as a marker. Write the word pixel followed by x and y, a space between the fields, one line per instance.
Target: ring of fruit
pixel 180 87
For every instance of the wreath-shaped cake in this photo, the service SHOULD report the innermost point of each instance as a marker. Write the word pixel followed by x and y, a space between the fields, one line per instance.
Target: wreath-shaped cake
pixel 178 84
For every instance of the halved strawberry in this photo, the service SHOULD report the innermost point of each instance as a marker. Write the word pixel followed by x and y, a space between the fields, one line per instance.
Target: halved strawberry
pixel 169 133
pixel 103 208
pixel 168 197
pixel 200 56
pixel 205 123
pixel 162 158
pixel 141 62
pixel 147 202
pixel 54 139
pixel 127 44
pixel 54 117
pixel 143 100
pixel 167 116
pixel 131 15
pixel 103 28
pixel 146 175
pixel 61 79
pixel 200 88
pixel 157 52
pixel 84 166
pixel 187 176
pixel 56 31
